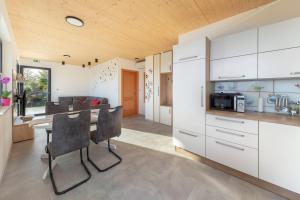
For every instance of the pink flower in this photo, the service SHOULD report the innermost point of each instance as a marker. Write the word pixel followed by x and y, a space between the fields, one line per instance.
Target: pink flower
pixel 5 80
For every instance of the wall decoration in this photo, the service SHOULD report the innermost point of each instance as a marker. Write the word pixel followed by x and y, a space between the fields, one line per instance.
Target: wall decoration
pixel 149 84
pixel 108 72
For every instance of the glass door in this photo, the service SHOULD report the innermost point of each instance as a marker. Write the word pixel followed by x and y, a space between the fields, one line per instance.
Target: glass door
pixel 37 85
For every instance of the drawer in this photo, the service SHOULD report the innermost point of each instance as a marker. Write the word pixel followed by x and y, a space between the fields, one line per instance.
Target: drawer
pixel 244 125
pixel 238 157
pixel 237 137
pixel 189 141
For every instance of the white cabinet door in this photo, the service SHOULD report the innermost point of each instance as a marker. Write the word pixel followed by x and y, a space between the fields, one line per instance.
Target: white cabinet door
pixel 279 64
pixel 156 87
pixel 236 68
pixel 279 150
pixel 233 155
pixel 166 62
pixel 280 35
pixel 242 43
pixel 189 96
pixel 166 115
pixel 190 141
pixel 192 51
pixel 149 88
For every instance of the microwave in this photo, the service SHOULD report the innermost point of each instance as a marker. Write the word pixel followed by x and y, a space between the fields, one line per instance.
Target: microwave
pixel 224 101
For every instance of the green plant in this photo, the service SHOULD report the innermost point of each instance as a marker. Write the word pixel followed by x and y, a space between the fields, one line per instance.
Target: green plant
pixel 5 94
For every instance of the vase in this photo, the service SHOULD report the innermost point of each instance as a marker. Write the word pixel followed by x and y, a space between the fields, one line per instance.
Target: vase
pixel 260 104
pixel 5 102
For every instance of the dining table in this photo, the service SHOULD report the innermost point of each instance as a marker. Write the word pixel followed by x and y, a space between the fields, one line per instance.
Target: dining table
pixel 45 121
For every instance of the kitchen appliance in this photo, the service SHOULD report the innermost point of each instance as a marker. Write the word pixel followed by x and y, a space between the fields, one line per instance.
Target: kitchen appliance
pixel 240 103
pixel 224 101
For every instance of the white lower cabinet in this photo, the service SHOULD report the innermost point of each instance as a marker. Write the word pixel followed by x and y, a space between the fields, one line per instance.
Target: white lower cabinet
pixel 165 115
pixel 233 155
pixel 233 142
pixel 279 155
pixel 189 141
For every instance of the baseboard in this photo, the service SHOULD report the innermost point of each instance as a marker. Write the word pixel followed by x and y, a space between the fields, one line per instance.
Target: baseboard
pixel 250 179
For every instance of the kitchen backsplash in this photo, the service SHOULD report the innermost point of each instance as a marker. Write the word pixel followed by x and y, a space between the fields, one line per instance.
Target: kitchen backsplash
pixel 269 88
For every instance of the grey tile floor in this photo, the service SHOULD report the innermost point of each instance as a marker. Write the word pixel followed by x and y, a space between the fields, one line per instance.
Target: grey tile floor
pixel 150 170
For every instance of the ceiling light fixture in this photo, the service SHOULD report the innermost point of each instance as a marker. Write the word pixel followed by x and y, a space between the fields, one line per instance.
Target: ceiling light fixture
pixel 66 56
pixel 74 21
pixel 83 65
pixel 63 62
pixel 89 63
pixel 96 60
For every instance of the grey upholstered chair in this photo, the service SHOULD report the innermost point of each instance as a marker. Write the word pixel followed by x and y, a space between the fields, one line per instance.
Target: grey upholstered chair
pixel 70 133
pixel 54 108
pixel 81 105
pixel 108 126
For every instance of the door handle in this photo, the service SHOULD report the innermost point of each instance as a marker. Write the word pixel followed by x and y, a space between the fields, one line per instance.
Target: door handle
pixel 230 120
pixel 295 73
pixel 185 133
pixel 231 77
pixel 187 58
pixel 230 133
pixel 202 96
pixel 230 146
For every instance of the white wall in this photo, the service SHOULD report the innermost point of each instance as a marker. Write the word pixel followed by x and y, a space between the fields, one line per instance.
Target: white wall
pixel 271 13
pixel 66 80
pixel 10 56
pixel 106 81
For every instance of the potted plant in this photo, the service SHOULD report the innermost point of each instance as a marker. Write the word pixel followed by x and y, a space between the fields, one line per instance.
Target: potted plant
pixel 5 101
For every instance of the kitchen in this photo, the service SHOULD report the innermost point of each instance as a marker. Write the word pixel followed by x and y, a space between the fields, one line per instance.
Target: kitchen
pixel 240 98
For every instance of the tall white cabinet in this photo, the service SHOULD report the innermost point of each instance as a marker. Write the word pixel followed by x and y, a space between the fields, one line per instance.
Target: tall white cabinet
pixel 156 86
pixel 189 96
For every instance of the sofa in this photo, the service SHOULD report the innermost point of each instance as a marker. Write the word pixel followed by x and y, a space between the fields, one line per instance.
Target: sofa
pixel 84 101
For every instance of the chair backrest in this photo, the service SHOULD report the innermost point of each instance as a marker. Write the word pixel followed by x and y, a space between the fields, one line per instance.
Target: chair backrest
pixel 81 105
pixel 109 124
pixel 70 132
pixel 54 108
pixel 67 100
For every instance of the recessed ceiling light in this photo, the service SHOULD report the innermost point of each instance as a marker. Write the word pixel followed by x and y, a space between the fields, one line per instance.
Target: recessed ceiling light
pixel 74 21
pixel 67 56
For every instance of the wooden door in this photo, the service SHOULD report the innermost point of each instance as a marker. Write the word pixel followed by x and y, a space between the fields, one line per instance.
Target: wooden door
pixel 130 92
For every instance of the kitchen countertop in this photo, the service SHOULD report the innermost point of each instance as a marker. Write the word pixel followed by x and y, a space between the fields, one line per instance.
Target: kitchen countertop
pixel 264 117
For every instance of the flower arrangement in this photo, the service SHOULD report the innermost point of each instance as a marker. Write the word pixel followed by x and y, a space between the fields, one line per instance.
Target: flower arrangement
pixel 5 93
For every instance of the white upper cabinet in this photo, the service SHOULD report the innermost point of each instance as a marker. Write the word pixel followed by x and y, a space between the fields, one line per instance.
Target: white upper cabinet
pixel 166 62
pixel 279 151
pixel 243 43
pixel 236 68
pixel 279 64
pixel 280 35
pixel 192 51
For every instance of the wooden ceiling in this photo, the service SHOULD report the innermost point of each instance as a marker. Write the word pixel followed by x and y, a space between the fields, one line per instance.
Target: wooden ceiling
pixel 124 28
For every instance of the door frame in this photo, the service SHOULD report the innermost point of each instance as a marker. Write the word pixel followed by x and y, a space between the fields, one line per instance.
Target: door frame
pixel 49 81
pixel 137 88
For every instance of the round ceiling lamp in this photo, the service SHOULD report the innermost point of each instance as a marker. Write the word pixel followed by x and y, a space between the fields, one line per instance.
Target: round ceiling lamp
pixel 74 21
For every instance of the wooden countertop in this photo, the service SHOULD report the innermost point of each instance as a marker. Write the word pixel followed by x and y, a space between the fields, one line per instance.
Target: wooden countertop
pixel 264 117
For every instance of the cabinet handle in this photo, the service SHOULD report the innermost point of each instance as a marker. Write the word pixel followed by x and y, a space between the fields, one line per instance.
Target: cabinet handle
pixel 231 77
pixel 230 146
pixel 185 133
pixel 295 73
pixel 230 120
pixel 187 58
pixel 158 94
pixel 230 133
pixel 201 96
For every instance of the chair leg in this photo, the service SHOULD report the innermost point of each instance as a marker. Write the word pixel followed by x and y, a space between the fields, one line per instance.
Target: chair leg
pixel 75 185
pixel 109 167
